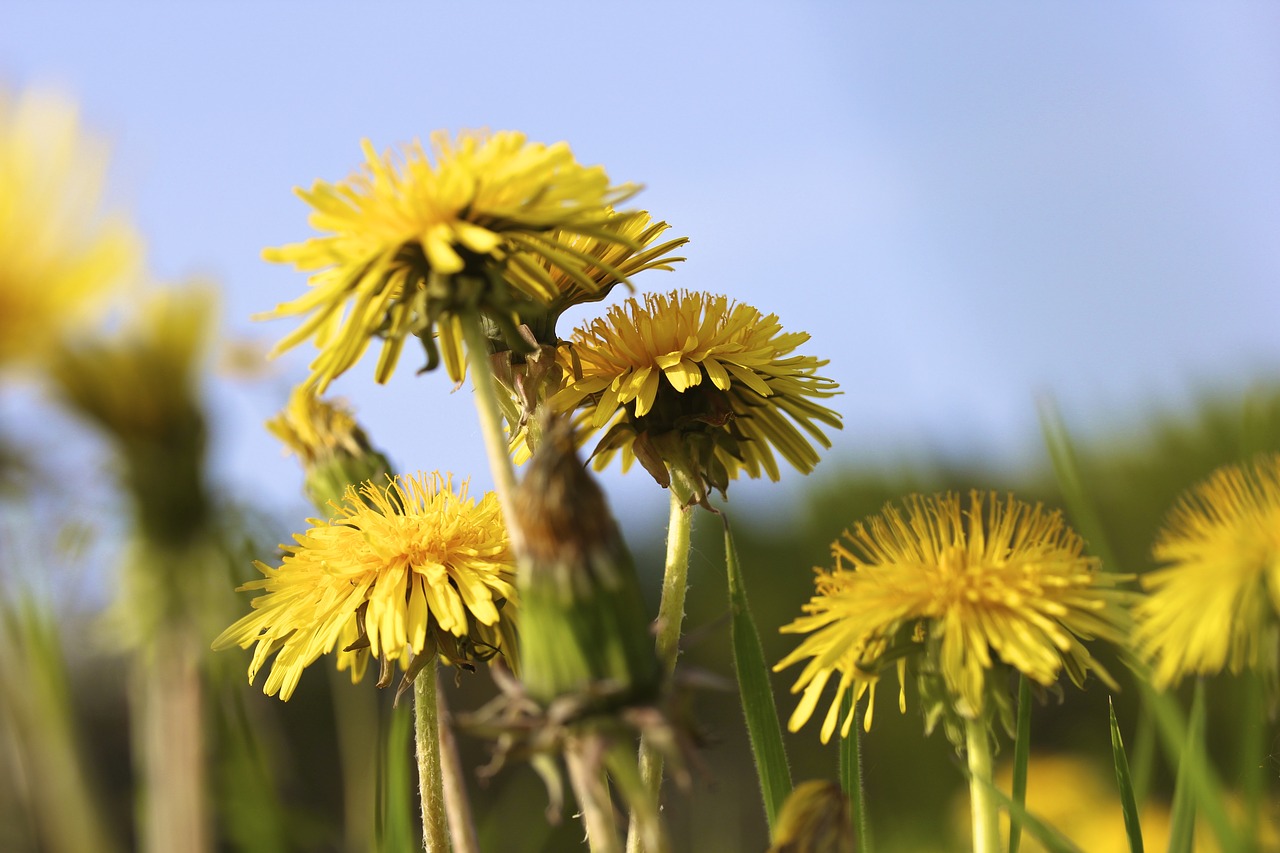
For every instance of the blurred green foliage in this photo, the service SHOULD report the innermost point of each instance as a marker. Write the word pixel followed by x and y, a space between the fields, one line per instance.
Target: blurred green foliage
pixel 277 767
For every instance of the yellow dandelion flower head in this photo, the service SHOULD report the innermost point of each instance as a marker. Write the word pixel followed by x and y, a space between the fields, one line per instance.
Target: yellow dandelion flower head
pixel 1214 602
pixel 411 240
pixel 60 255
pixel 695 381
pixel 399 567
pixel 316 429
pixel 956 590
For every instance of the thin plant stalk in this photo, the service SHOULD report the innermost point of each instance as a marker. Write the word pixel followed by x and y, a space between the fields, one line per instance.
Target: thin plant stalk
pixel 675 583
pixel 1021 757
pixel 356 712
pixel 426 729
pixel 457 803
pixel 986 825
pixel 592 793
pixel 490 414
pixel 171 735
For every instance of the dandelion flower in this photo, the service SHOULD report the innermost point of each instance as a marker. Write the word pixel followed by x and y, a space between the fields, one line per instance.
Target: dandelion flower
pixel 404 569
pixel 699 389
pixel 1214 602
pixel 409 243
pixel 142 387
pixel 953 593
pixel 59 254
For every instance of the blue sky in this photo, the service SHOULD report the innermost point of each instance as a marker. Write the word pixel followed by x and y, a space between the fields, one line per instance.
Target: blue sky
pixel 965 205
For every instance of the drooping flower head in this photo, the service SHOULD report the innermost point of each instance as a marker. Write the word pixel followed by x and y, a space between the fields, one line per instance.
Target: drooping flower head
pixel 1215 603
pixel 412 241
pixel 535 376
pixel 405 569
pixel 955 595
pixel 333 448
pixel 59 254
pixel 699 389
pixel 574 268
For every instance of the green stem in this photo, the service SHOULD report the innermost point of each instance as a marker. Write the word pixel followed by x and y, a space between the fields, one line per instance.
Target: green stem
pixel 986 826
pixel 426 729
pixel 675 583
pixel 593 797
pixel 490 413
pixel 850 766
pixel 457 803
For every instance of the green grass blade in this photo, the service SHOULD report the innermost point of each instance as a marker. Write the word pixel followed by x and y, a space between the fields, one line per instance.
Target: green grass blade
pixel 1143 753
pixel 1066 467
pixel 1253 715
pixel 1128 803
pixel 1183 820
pixel 397 791
pixel 1187 750
pixel 1021 757
pixel 851 775
pixel 757 696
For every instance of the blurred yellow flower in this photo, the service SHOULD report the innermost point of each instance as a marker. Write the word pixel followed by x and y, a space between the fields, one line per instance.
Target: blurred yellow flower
pixel 954 592
pixel 1215 601
pixel 404 569
pixel 411 243
pixel 699 389
pixel 142 387
pixel 59 254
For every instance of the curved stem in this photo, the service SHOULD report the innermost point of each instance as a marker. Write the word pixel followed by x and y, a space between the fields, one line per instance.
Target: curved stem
pixel 457 803
pixel 490 413
pixel 426 729
pixel 675 583
pixel 982 803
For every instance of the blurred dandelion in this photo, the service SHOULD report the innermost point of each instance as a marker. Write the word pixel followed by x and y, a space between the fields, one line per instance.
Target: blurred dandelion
pixel 60 254
pixel 1214 603
pixel 953 593
pixel 407 569
pixel 411 244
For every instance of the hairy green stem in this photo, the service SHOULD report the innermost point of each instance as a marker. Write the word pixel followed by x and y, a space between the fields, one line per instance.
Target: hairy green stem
pixel 675 583
pixel 592 792
pixel 426 729
pixel 982 803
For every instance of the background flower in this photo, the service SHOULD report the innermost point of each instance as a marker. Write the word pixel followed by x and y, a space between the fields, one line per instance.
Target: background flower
pixel 59 254
pixel 951 593
pixel 1214 604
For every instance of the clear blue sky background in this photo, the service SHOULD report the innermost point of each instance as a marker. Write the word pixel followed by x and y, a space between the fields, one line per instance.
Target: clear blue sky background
pixel 966 205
